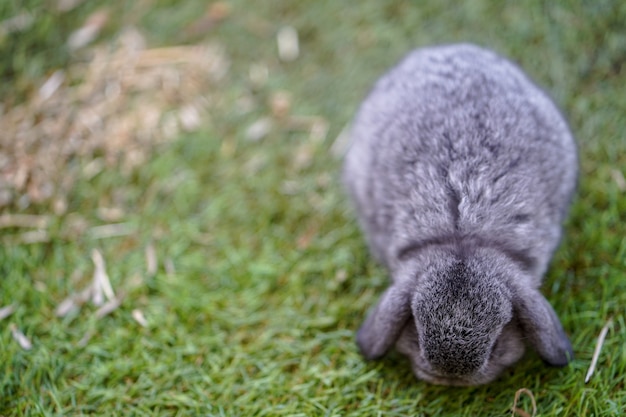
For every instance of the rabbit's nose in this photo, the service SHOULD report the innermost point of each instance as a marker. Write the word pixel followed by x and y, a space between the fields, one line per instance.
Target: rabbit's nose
pixel 456 358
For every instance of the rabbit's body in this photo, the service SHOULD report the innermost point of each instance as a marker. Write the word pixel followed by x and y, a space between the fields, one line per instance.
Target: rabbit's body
pixel 461 171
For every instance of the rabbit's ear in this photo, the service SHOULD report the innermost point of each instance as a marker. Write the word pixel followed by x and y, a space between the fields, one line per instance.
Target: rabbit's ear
pixel 384 323
pixel 542 327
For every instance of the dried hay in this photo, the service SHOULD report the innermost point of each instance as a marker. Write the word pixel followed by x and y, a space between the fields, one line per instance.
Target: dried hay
pixel 112 110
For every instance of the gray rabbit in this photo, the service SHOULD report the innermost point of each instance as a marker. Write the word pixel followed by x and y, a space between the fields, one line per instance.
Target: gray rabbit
pixel 461 170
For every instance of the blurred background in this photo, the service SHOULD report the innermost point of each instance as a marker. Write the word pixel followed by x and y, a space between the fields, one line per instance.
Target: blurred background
pixel 140 72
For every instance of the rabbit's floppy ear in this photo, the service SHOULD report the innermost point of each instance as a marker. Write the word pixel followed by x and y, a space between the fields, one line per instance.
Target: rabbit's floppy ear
pixel 384 323
pixel 542 327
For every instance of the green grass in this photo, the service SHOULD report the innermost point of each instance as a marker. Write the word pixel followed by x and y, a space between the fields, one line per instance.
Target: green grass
pixel 257 318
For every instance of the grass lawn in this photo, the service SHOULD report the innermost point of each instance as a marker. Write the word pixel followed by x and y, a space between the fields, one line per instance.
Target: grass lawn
pixel 243 271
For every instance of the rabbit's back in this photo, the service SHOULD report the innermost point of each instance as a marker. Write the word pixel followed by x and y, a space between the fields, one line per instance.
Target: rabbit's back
pixel 457 142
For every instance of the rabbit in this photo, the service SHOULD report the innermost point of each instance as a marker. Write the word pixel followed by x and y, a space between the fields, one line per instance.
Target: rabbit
pixel 461 172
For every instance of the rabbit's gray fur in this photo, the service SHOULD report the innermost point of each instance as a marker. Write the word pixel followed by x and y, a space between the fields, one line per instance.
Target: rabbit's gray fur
pixel 461 171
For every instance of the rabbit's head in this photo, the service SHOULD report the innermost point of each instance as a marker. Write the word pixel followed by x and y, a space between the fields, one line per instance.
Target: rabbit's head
pixel 462 321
